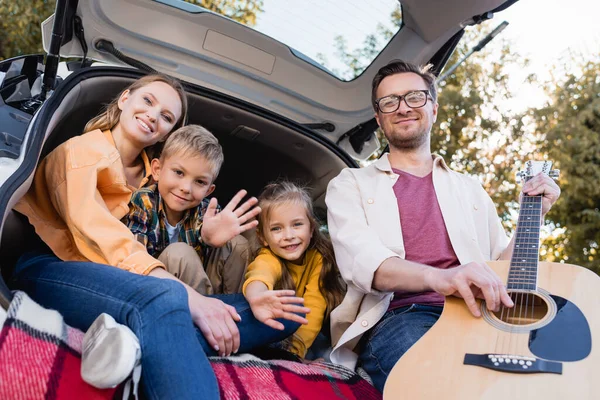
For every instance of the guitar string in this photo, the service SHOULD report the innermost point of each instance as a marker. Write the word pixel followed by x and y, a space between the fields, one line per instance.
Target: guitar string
pixel 538 201
pixel 530 293
pixel 526 293
pixel 526 201
pixel 522 338
pixel 512 312
pixel 523 296
pixel 526 335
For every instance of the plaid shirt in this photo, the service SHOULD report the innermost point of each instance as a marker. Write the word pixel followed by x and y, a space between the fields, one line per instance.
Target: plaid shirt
pixel 147 217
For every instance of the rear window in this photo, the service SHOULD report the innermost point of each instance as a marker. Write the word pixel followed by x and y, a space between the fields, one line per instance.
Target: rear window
pixel 326 33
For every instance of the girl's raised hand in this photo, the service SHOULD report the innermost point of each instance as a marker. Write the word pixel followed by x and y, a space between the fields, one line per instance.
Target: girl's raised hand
pixel 219 228
pixel 270 305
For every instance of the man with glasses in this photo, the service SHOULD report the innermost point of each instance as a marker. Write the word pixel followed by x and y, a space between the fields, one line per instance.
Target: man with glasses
pixel 408 231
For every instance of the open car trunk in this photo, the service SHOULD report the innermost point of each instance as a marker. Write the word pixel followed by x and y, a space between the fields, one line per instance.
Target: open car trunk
pixel 259 146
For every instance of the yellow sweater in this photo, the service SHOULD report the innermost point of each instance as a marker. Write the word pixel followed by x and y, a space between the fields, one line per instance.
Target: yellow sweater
pixel 78 196
pixel 266 268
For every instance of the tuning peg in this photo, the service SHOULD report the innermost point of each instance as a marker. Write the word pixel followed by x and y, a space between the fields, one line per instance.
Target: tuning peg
pixel 554 174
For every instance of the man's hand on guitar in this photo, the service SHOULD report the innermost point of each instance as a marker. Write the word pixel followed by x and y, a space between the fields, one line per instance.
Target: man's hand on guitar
pixel 470 281
pixel 543 184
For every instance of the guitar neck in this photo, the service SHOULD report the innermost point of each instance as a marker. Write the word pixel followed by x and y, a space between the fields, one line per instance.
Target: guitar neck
pixel 524 262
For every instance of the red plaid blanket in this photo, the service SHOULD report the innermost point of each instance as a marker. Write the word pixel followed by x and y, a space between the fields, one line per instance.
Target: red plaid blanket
pixel 40 356
pixel 249 377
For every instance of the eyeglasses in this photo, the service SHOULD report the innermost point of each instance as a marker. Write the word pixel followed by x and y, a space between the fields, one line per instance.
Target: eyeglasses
pixel 391 103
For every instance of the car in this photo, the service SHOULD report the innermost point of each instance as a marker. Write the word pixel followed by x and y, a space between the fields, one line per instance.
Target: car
pixel 277 112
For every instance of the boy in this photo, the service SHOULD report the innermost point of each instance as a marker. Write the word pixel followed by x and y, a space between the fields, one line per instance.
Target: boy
pixel 198 244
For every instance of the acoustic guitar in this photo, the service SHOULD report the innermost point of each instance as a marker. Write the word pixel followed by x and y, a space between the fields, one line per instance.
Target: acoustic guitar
pixel 545 347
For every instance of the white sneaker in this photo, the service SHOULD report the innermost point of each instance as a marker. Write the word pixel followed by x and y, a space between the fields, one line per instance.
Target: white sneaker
pixel 111 353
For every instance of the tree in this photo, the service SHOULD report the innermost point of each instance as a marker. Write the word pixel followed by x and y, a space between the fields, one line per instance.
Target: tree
pixel 20 26
pixel 571 123
pixel 243 11
pixel 20 30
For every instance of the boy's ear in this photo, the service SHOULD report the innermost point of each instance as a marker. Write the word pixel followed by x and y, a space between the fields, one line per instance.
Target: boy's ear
pixel 155 168
pixel 210 190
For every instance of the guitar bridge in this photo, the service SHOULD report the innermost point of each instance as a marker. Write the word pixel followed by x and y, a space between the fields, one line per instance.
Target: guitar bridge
pixel 512 363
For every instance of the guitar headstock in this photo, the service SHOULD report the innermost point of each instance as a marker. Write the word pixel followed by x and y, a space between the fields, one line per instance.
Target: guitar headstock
pixel 532 168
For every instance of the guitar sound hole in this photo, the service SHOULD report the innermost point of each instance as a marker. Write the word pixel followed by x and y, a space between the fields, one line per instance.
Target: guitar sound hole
pixel 529 308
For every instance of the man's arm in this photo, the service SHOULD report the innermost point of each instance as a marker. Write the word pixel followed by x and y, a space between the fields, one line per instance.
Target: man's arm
pixel 396 274
pixel 369 265
pixel 358 250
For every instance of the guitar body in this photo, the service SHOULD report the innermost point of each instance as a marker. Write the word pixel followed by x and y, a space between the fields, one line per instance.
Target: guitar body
pixel 567 332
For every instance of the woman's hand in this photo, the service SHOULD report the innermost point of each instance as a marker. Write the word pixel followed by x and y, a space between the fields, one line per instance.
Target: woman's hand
pixel 218 228
pixel 216 321
pixel 267 306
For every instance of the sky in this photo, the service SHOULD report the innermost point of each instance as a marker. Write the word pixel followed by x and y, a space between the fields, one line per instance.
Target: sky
pixel 546 31
pixel 542 30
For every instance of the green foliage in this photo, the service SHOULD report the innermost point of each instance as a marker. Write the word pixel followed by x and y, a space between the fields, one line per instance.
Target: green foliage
pixel 473 132
pixel 571 121
pixel 243 11
pixel 20 30
pixel 20 26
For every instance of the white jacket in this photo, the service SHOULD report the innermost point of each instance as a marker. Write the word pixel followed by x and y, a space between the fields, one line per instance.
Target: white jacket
pixel 364 224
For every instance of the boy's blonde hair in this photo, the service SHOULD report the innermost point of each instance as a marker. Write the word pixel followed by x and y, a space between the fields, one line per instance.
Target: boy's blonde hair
pixel 194 141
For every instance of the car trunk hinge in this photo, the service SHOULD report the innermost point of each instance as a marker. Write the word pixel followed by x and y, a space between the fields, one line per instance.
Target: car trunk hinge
pixel 80 35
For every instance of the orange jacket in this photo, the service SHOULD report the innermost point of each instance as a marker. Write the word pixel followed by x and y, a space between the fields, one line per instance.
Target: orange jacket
pixel 78 196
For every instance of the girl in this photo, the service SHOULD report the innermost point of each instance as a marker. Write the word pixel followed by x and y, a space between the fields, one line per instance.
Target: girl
pixel 79 194
pixel 295 259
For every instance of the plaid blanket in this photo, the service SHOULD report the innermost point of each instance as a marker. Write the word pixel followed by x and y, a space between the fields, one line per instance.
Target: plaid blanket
pixel 40 358
pixel 40 355
pixel 248 377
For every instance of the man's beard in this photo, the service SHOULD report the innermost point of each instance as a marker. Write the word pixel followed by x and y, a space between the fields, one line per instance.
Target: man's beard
pixel 407 143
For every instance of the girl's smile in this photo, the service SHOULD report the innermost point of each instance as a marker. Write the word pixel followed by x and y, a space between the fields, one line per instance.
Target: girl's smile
pixel 288 232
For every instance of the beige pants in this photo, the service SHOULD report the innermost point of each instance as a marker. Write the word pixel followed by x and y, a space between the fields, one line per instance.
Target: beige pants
pixel 224 270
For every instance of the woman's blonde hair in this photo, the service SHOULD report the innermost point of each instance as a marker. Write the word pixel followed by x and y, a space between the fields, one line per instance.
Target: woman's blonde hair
pixel 109 118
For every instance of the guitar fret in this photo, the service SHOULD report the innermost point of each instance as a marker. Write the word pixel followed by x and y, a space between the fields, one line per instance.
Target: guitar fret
pixel 522 287
pixel 524 261
pixel 523 265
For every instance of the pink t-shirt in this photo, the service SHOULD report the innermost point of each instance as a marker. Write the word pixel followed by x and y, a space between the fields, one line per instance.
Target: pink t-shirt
pixel 424 232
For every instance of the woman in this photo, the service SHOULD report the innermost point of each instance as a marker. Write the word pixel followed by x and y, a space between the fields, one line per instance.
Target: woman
pixel 79 194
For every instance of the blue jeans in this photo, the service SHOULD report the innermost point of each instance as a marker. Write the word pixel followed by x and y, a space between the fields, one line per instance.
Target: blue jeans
pixel 174 351
pixel 394 334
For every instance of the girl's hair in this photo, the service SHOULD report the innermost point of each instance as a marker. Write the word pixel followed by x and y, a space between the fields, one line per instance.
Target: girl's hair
pixel 109 118
pixel 330 283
